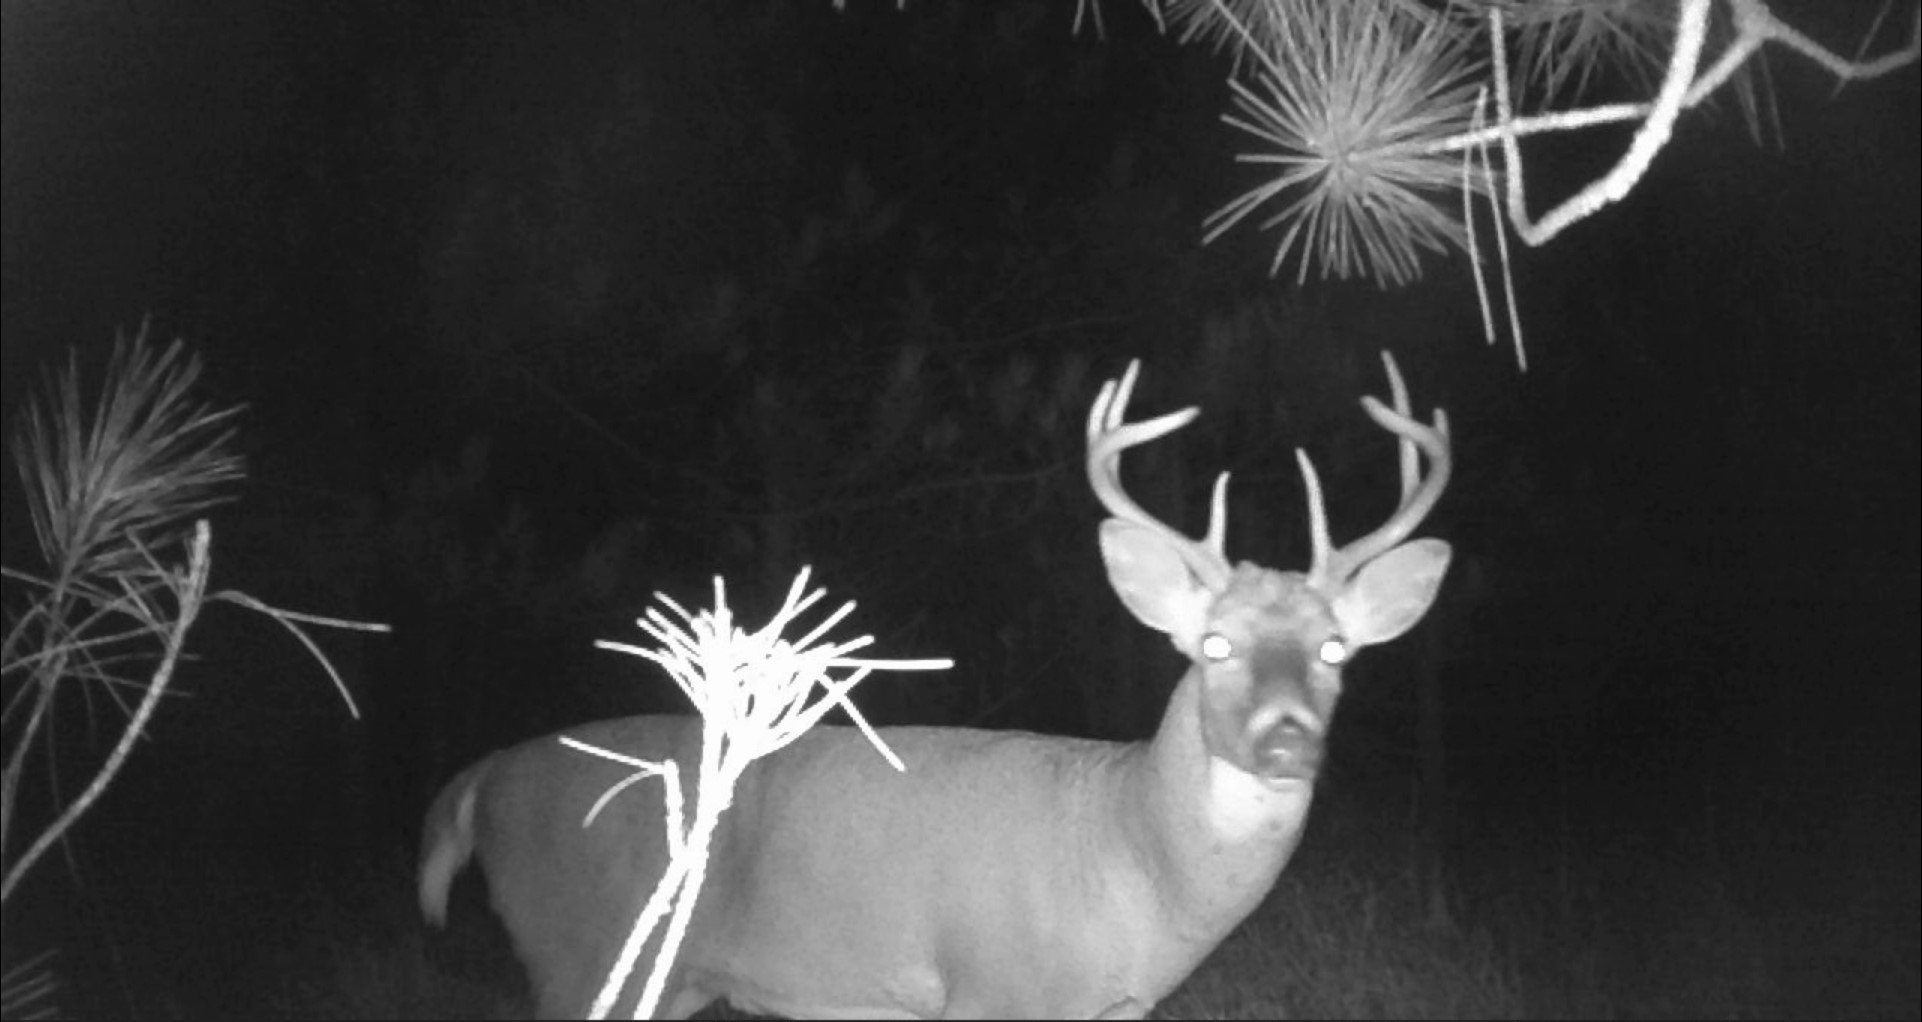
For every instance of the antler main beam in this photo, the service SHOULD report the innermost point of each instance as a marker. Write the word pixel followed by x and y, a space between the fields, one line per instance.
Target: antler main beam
pixel 1109 435
pixel 1332 568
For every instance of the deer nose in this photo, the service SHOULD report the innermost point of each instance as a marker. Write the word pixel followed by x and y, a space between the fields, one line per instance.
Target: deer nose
pixel 1302 721
pixel 1292 746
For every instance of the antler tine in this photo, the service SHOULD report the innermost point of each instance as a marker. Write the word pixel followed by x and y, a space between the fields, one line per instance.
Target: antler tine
pixel 1398 391
pixel 1109 435
pixel 1418 495
pixel 1217 537
pixel 1318 565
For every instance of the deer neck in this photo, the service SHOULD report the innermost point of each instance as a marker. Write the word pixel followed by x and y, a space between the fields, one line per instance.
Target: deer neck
pixel 1213 837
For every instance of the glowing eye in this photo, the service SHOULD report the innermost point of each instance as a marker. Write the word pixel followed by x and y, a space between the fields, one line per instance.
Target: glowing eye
pixel 1216 646
pixel 1334 652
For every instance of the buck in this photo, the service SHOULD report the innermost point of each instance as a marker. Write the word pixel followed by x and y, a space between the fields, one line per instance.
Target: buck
pixel 1004 874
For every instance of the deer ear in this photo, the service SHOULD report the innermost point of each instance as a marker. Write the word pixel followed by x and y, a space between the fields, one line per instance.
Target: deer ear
pixel 1154 583
pixel 1392 592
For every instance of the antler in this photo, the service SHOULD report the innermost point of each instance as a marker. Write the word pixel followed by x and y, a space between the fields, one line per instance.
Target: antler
pixel 1332 569
pixel 1108 436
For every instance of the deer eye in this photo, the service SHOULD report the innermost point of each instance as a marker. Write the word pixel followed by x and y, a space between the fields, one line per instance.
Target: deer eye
pixel 1216 647
pixel 1333 652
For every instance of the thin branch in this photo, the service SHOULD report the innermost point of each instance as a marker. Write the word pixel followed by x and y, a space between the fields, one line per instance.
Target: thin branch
pixel 192 589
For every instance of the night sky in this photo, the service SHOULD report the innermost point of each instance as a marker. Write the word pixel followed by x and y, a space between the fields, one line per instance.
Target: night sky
pixel 539 309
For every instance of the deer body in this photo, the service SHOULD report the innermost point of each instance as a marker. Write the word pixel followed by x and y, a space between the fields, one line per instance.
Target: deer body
pixel 960 889
pixel 1004 874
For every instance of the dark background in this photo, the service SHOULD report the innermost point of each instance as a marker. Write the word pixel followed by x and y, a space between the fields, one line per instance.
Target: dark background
pixel 538 310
